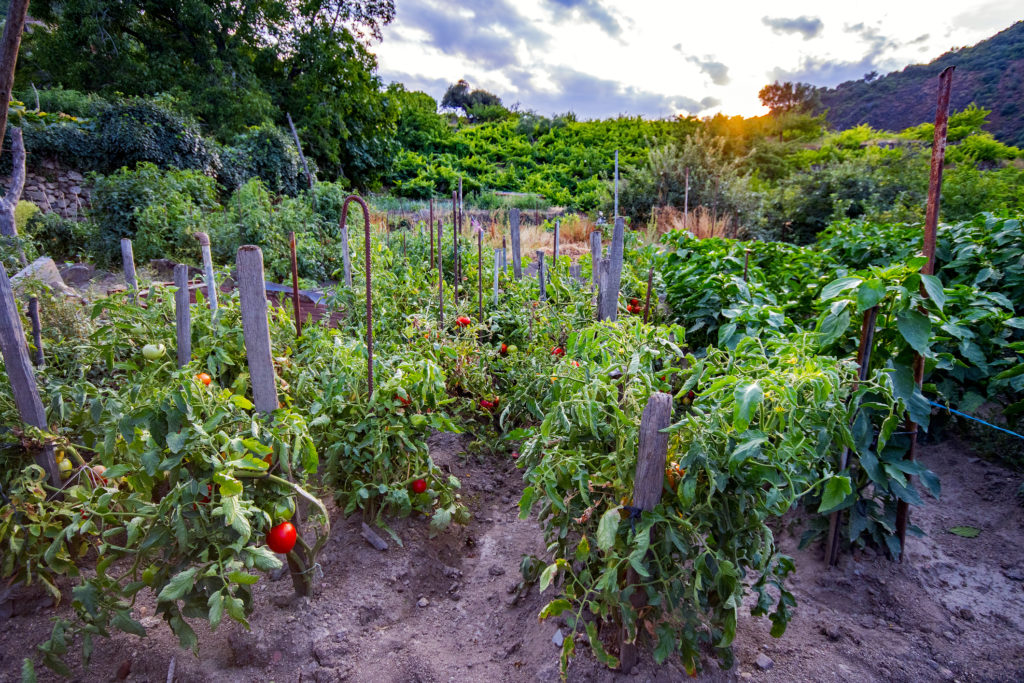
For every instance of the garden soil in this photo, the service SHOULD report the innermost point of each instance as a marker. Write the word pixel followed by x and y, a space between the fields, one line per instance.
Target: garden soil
pixel 440 609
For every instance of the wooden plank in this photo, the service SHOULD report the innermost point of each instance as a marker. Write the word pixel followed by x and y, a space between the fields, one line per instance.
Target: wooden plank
pixel 480 274
pixel 295 285
pixel 595 257
pixel 648 484
pixel 513 224
pixel 20 375
pixel 440 275
pixel 497 270
pixel 647 302
pixel 610 296
pixel 603 267
pixel 252 295
pixel 128 262
pixel 554 253
pixel 182 315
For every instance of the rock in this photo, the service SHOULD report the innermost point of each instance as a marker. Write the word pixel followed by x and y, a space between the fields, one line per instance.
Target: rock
pixel 495 570
pixel 946 674
pixel 44 270
pixel 764 662
pixel 746 675
pixel 124 670
pixel 423 602
pixel 558 638
pixel 831 632
pixel 77 273
pixel 75 176
pixel 330 652
pixel 1014 573
pixel 965 614
pixel 452 572
pixel 373 538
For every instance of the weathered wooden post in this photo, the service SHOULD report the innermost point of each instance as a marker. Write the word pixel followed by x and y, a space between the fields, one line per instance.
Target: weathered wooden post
pixel 20 375
pixel 440 275
pixel 576 272
pixel 746 263
pixel 616 183
pixel 650 286
pixel 430 228
pixel 497 268
pixel 931 221
pixel 296 304
pixel 554 255
pixel 542 291
pixel 456 233
pixel 37 332
pixel 595 257
pixel 513 224
pixel 610 295
pixel 211 282
pixel 504 258
pixel 128 261
pixel 648 484
pixel 686 198
pixel 480 273
pixel 182 315
pixel 252 296
pixel 603 268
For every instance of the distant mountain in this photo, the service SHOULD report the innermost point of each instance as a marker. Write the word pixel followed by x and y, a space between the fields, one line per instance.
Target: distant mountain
pixel 990 74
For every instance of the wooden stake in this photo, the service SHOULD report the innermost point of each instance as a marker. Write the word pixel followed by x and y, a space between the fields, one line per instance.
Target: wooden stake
pixel 867 336
pixel 497 268
pixel 37 332
pixel 603 268
pixel 480 274
pixel 595 257
pixel 650 286
pixel 211 281
pixel 455 245
pixel 295 286
pixel 542 291
pixel 302 157
pixel 554 255
pixel 20 375
pixel 513 224
pixel 252 296
pixel 686 198
pixel 610 296
pixel 746 263
pixel 616 183
pixel 430 227
pixel 648 484
pixel 930 225
pixel 128 261
pixel 440 276
pixel 182 315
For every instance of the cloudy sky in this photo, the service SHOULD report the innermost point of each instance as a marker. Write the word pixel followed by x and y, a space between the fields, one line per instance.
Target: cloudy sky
pixel 657 58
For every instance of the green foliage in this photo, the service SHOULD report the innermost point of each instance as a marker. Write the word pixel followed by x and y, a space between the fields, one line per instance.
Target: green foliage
pixel 158 209
pixel 267 153
pixel 58 237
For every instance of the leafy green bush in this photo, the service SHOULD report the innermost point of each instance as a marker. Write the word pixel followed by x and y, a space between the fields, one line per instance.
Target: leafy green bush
pixel 159 209
pixel 58 237
pixel 264 152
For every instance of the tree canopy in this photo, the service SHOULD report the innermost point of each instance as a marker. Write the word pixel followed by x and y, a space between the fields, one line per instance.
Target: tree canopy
pixel 232 64
pixel 784 97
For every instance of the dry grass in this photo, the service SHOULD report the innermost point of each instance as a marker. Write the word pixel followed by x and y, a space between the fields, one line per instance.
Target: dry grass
pixel 700 222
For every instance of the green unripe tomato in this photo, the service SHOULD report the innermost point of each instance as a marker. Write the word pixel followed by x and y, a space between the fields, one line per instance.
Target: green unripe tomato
pixel 153 351
pixel 512 348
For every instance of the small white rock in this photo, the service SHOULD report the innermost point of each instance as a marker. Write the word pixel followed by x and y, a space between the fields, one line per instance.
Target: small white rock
pixel 764 662
pixel 558 638
pixel 423 602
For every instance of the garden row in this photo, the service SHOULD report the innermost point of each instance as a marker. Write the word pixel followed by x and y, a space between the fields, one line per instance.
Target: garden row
pixel 197 471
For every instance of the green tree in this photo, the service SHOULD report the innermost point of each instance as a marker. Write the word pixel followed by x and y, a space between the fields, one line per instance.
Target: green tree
pixel 233 65
pixel 783 97
pixel 477 105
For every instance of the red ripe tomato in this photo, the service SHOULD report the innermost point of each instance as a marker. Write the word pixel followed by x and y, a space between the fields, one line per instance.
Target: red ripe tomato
pixel 463 321
pixel 282 537
pixel 485 404
pixel 557 351
pixel 634 302
pixel 575 363
pixel 504 350
pixel 419 486
pixel 515 454
pixel 403 401
pixel 204 378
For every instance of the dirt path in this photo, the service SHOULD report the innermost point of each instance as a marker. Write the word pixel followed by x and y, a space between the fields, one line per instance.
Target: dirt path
pixel 953 611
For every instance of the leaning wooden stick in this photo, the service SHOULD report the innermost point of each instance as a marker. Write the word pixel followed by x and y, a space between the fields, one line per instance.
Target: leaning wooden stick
pixel 20 375
pixel 182 315
pixel 211 282
pixel 296 304
pixel 647 303
pixel 37 332
pixel 542 291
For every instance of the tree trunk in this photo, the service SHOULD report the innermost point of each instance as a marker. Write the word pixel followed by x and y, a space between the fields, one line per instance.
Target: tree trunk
pixel 8 228
pixel 17 11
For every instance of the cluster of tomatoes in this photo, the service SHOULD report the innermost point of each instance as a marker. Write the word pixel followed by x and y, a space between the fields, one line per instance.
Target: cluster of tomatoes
pixel 463 321
pixel 634 306
pixel 490 405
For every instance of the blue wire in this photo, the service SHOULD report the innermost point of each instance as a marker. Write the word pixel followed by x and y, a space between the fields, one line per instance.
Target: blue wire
pixel 971 417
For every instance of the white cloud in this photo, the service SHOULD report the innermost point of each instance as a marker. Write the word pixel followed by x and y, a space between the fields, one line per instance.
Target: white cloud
pixel 658 58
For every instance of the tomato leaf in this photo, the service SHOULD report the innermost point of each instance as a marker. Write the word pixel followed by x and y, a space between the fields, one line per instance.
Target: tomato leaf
pixel 554 608
pixel 216 606
pixel 836 287
pixel 748 397
pixel 179 584
pixel 915 328
pixel 965 531
pixel 869 294
pixel 836 490
pixel 547 576
pixel 608 528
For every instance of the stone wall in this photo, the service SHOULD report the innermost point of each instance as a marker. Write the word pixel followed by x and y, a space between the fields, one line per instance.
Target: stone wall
pixel 54 188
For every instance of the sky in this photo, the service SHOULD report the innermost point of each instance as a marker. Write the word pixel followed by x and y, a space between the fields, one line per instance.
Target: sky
pixel 659 58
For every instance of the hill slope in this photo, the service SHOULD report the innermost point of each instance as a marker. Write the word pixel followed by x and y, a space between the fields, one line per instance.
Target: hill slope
pixel 990 74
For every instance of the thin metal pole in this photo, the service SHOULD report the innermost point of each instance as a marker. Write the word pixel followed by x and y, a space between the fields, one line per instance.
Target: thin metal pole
pixel 440 275
pixel 295 286
pixel 369 290
pixel 930 226
pixel 480 273
pixel 430 228
pixel 686 198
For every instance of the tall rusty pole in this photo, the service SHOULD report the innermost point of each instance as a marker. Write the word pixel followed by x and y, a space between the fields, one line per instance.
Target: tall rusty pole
pixel 931 222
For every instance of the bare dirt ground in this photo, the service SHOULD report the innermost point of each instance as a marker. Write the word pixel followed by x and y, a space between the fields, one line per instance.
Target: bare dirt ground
pixel 953 611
